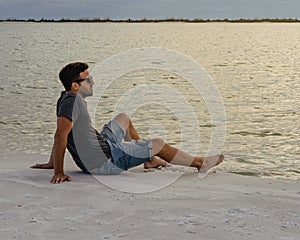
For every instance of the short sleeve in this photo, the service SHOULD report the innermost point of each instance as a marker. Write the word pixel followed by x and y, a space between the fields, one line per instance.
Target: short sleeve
pixel 69 108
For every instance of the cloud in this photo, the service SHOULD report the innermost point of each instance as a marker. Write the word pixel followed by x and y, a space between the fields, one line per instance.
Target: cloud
pixel 136 9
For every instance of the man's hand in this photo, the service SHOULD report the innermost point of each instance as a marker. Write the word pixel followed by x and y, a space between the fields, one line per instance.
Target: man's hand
pixel 60 178
pixel 48 165
pixel 43 166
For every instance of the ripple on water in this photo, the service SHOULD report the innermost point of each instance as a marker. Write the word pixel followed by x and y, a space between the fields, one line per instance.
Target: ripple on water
pixel 259 84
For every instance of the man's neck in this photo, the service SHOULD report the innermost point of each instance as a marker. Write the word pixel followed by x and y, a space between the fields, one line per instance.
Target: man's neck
pixel 72 91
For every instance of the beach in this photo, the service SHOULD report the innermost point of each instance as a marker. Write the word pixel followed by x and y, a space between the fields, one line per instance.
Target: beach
pixel 219 206
pixel 254 67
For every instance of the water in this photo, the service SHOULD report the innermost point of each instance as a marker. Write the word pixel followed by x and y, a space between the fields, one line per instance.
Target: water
pixel 255 67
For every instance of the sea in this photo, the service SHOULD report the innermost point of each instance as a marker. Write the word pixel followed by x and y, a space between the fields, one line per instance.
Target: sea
pixel 253 70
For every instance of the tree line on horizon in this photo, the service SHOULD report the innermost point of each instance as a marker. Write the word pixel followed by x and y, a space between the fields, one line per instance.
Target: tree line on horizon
pixel 144 20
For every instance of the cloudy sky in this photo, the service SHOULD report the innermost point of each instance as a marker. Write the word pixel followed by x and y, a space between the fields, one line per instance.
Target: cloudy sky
pixel 151 9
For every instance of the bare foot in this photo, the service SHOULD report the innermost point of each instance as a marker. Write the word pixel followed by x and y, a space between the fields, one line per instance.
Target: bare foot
pixel 155 162
pixel 210 162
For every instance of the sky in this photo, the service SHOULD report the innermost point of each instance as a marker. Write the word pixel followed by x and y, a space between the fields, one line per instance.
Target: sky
pixel 150 9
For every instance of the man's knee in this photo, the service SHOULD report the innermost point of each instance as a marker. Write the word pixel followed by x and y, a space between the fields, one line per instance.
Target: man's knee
pixel 123 119
pixel 123 116
pixel 157 145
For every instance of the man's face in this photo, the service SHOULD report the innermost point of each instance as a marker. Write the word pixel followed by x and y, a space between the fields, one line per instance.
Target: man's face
pixel 86 86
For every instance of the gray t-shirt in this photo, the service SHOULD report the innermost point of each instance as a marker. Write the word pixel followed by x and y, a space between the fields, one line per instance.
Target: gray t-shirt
pixel 85 144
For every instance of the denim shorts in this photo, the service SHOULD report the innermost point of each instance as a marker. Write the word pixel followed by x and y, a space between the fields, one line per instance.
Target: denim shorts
pixel 124 154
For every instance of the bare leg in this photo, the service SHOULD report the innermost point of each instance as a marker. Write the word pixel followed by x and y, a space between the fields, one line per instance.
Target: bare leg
pixel 168 153
pixel 128 127
pixel 178 157
pixel 132 134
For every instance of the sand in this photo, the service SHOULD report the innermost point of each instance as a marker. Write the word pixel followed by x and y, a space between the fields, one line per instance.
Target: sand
pixel 219 206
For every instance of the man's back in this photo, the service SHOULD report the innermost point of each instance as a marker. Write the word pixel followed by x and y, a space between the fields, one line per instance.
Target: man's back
pixel 83 140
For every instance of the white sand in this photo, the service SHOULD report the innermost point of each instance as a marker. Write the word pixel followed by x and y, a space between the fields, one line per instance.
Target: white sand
pixel 221 206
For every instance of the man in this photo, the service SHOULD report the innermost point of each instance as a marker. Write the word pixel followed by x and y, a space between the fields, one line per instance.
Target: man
pixel 116 148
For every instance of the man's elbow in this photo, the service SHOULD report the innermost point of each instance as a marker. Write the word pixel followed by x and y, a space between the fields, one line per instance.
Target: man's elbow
pixel 60 137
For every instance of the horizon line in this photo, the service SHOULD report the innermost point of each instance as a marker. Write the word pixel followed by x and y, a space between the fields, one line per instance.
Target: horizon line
pixel 129 20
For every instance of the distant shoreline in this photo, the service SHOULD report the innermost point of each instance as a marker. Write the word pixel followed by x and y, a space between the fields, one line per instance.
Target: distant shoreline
pixel 99 20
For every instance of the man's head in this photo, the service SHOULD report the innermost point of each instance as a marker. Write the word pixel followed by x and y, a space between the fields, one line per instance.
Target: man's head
pixel 75 78
pixel 71 73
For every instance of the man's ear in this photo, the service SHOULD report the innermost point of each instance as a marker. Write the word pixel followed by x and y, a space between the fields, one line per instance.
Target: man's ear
pixel 75 86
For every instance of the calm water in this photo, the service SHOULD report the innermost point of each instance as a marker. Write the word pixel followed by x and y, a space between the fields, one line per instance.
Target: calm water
pixel 255 67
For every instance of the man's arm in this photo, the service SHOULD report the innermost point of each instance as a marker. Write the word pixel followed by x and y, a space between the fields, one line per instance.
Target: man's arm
pixel 64 126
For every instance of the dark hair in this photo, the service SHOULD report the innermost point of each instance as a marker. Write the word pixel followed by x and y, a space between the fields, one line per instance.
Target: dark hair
pixel 70 73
